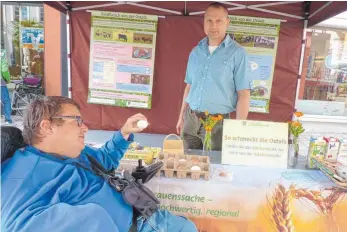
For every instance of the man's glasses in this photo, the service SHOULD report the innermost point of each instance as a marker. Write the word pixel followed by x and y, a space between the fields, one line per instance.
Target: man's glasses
pixel 79 119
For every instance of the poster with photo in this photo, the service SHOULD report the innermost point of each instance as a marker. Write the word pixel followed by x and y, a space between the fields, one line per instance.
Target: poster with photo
pixel 32 38
pixel 259 37
pixel 122 55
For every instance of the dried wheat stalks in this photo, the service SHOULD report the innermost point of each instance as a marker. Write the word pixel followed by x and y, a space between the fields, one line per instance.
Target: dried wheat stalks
pixel 311 195
pixel 324 204
pixel 282 214
pixel 281 204
pixel 332 199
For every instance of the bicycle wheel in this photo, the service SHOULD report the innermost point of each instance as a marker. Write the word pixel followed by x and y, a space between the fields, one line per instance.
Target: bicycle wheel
pixel 21 102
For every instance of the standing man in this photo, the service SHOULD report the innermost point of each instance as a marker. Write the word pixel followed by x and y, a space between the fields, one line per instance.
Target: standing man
pixel 216 81
pixel 5 96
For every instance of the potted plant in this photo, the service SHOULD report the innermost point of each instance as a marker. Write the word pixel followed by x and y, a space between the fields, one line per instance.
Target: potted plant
pixel 209 121
pixel 295 130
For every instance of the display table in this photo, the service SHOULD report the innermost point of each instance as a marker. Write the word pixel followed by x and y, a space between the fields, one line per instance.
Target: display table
pixel 255 199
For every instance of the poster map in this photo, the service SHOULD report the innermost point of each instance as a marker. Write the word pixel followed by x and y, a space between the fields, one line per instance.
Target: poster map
pixel 122 54
pixel 259 37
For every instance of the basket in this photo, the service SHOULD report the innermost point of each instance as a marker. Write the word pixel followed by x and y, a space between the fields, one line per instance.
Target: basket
pixel 329 169
pixel 173 146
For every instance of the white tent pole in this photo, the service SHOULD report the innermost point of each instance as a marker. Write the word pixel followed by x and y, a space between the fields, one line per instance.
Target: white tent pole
pixel 272 4
pixel 197 13
pixel 302 56
pixel 275 12
pixel 236 8
pixel 128 3
pixel 97 6
pixel 185 7
pixel 229 9
pixel 256 7
pixel 68 49
pixel 154 8
pixel 232 3
pixel 320 9
pixel 303 47
pixel 159 16
pixel 62 4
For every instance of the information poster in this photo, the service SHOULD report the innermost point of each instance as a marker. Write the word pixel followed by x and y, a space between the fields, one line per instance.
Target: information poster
pixel 122 53
pixel 259 37
pixel 32 38
pixel 255 143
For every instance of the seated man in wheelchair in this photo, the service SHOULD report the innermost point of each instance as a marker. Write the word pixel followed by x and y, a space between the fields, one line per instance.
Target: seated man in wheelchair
pixel 57 183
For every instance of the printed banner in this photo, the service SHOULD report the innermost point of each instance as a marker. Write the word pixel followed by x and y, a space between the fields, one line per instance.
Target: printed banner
pixel 259 37
pixel 122 52
pixel 247 199
pixel 255 143
pixel 32 38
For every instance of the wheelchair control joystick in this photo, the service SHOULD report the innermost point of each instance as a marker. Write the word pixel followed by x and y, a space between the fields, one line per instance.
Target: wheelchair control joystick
pixel 146 173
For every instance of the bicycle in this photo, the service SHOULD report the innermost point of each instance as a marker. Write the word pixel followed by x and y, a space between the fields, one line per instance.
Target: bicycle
pixel 26 91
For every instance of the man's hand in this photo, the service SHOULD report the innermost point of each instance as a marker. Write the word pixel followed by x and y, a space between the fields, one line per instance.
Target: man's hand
pixel 130 125
pixel 242 107
pixel 179 125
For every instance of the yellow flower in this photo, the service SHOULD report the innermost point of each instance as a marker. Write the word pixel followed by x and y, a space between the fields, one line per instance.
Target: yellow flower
pixel 208 128
pixel 220 117
pixel 296 124
pixel 206 112
pixel 298 114
pixel 214 118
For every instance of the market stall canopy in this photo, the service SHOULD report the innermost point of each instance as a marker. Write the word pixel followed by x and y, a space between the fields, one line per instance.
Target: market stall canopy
pixel 177 34
pixel 291 10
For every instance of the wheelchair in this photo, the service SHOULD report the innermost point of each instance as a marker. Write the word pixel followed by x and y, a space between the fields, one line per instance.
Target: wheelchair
pixel 26 91
pixel 12 139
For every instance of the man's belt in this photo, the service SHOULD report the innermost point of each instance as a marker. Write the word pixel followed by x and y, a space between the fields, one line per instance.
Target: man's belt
pixel 202 115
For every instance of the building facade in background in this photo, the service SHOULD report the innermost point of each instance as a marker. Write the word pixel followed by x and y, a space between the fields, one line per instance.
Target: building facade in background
pixel 23 58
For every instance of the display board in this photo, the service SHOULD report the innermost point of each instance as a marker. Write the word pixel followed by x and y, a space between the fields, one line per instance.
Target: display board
pixel 259 37
pixel 122 54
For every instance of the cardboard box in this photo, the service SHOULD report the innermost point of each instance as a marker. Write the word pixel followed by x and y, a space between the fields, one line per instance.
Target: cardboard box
pixel 145 155
pixel 332 150
pixel 317 149
pixel 343 148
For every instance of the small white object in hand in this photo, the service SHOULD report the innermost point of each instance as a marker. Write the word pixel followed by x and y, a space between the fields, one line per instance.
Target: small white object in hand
pixel 195 168
pixel 142 124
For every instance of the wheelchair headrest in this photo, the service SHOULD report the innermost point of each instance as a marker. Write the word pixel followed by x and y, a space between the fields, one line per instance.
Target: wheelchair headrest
pixel 11 140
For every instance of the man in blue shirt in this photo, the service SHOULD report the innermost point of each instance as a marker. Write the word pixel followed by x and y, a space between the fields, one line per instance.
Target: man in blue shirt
pixel 45 189
pixel 216 81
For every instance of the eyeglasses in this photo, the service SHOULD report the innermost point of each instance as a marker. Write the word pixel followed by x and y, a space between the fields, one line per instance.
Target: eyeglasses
pixel 79 119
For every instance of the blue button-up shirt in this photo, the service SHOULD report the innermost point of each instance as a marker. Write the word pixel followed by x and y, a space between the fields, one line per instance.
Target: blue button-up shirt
pixel 215 78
